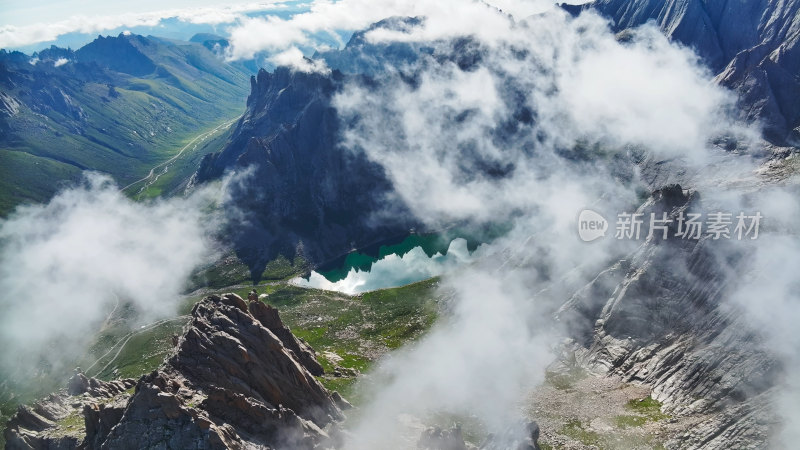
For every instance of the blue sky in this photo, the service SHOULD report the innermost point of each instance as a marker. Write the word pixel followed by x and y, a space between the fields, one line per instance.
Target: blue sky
pixel 22 12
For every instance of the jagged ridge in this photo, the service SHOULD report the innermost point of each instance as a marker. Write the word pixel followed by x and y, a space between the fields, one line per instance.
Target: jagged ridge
pixel 238 379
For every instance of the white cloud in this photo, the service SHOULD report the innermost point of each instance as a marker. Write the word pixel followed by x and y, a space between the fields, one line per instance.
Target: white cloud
pixel 13 36
pixel 253 35
pixel 766 291
pixel 570 74
pixel 295 59
pixel 60 62
pixel 64 265
pixel 446 18
pixel 474 364
pixel 454 146
pixel 651 93
pixel 394 270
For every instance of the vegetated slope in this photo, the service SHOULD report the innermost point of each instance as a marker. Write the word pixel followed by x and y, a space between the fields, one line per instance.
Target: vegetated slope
pixel 118 105
pixel 752 46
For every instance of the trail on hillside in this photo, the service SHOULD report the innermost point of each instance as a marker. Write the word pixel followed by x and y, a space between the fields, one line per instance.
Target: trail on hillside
pixel 162 168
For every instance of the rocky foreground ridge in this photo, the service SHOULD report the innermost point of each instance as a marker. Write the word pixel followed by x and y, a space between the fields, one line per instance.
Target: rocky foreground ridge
pixel 238 379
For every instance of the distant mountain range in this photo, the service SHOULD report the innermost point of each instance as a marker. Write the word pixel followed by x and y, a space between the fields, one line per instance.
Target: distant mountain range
pixel 118 105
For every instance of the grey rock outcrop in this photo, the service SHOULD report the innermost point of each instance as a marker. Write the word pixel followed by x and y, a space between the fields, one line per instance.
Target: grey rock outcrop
pixel 100 418
pixel 659 318
pixel 9 106
pixel 55 99
pixel 271 319
pixel 41 424
pixel 232 383
pixel 81 384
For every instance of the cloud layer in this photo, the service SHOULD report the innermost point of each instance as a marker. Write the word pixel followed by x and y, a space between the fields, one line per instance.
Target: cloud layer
pixel 526 123
pixel 66 264
pixel 273 34
pixel 15 35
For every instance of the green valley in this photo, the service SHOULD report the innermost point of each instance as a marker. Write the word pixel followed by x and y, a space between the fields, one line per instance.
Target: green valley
pixel 99 111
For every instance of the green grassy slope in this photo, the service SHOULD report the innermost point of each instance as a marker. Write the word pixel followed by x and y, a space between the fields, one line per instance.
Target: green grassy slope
pixel 172 176
pixel 82 115
pixel 25 177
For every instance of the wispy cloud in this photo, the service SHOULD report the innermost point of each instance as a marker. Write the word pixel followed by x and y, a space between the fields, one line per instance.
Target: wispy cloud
pixel 66 264
pixel 13 36
pixel 529 130
pixel 273 34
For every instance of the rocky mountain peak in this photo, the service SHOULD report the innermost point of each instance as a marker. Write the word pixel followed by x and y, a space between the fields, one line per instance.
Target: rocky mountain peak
pixel 123 53
pixel 323 199
pixel 238 379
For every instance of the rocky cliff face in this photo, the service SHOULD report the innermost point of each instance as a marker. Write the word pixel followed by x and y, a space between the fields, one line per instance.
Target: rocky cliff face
pixel 659 317
pixel 238 379
pixel 306 194
pixel 54 422
pixel 752 46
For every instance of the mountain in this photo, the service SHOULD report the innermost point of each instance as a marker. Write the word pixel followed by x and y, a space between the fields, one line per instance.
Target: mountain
pixel 307 195
pixel 118 105
pixel 360 56
pixel 656 317
pixel 659 317
pixel 752 47
pixel 210 41
pixel 238 378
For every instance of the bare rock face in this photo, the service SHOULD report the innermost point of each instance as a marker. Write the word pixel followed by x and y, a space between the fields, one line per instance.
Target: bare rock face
pixel 659 317
pixel 42 425
pixel 232 383
pixel 81 384
pixel 269 318
pixel 9 106
pixel 323 199
pixel 100 418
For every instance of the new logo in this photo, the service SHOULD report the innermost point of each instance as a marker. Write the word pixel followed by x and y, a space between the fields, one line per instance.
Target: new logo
pixel 591 225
